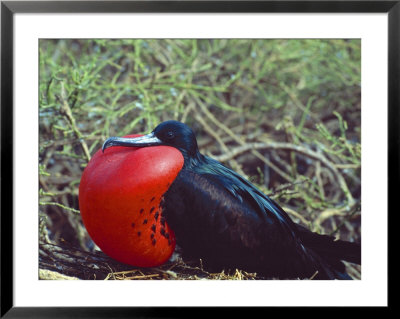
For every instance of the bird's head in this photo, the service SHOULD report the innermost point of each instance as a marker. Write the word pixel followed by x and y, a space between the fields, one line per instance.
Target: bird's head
pixel 170 133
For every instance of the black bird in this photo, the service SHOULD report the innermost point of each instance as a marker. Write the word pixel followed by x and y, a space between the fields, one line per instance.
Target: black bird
pixel 222 218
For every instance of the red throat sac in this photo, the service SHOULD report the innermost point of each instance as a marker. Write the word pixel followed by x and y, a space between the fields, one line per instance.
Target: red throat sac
pixel 120 199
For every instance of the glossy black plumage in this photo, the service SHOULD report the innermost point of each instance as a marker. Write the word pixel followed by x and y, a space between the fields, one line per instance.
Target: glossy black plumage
pixel 226 221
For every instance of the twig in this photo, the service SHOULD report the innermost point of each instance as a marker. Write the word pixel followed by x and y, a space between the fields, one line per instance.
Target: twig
pixel 356 209
pixel 187 110
pixel 286 186
pixel 66 111
pixel 297 215
pixel 60 205
pixel 297 101
pixel 239 140
pixel 299 149
pixel 319 179
pixel 208 129
pixel 111 274
pixel 313 276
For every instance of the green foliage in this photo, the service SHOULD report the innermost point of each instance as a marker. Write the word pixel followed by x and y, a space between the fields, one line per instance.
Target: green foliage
pixel 126 86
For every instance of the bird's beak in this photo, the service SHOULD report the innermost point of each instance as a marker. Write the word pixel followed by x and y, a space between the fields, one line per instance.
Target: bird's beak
pixel 142 141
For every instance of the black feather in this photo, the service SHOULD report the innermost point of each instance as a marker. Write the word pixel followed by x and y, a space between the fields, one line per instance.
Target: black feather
pixel 222 218
pixel 226 221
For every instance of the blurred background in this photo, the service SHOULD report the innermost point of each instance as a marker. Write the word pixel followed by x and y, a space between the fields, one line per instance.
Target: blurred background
pixel 286 114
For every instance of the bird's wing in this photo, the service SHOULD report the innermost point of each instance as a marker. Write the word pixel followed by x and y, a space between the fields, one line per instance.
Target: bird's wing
pixel 246 192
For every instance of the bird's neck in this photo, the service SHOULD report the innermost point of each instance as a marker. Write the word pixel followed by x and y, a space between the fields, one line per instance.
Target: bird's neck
pixel 192 160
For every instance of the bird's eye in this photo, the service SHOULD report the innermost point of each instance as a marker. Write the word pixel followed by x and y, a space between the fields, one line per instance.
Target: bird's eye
pixel 170 135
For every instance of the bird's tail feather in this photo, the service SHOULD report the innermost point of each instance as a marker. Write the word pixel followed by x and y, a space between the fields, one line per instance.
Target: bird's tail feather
pixel 331 252
pixel 327 247
pixel 342 276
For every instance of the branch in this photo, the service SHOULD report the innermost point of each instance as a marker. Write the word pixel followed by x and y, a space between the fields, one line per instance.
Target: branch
pixel 241 141
pixel 299 149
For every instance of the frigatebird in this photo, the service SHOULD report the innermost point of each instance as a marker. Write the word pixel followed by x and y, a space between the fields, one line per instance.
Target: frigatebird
pixel 227 222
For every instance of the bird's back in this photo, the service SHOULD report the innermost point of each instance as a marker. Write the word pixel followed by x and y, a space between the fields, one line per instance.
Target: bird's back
pixel 222 218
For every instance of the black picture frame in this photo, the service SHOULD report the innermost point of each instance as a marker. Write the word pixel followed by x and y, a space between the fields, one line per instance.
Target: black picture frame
pixel 9 8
